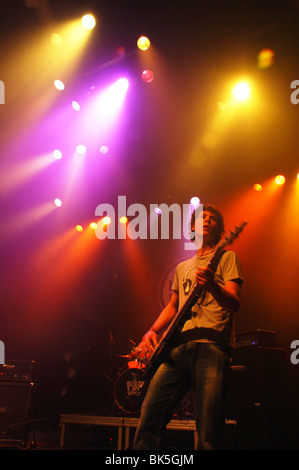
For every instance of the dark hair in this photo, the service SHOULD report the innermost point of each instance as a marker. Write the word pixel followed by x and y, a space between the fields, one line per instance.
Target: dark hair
pixel 219 217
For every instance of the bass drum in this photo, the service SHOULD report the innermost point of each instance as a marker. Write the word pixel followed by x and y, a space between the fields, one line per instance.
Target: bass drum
pixel 130 389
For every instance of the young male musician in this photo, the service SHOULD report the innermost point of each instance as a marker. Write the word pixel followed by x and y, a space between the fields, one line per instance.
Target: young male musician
pixel 201 359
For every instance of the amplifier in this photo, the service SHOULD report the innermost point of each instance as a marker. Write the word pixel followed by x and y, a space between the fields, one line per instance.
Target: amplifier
pixel 18 371
pixel 262 338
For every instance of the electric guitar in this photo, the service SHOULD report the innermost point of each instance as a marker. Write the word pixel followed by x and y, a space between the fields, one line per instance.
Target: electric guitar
pixel 174 329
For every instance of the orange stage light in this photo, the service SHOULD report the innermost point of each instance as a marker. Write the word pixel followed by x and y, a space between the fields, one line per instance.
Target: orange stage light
pixel 106 220
pixel 280 180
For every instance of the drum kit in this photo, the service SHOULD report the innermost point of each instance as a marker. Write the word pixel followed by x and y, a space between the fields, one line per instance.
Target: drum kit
pixel 130 387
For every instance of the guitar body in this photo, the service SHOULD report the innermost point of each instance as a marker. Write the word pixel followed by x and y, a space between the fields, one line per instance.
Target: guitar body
pixel 172 333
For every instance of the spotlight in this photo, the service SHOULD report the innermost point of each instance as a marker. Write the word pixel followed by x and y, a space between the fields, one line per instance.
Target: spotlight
pixel 265 58
pixel 57 154
pixel 76 106
pixel 79 228
pixel 147 76
pixel 59 85
pixel 123 220
pixel 241 91
pixel 195 201
pixel 104 149
pixel 143 43
pixel 58 202
pixel 106 220
pixel 258 187
pixel 280 180
pixel 81 149
pixel 93 225
pixel 88 21
pixel 158 210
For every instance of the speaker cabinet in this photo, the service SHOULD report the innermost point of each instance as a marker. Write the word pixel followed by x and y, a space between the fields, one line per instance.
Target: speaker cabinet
pixel 257 405
pixel 15 409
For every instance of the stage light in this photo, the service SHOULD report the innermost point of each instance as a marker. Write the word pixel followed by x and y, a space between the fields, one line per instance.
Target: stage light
pixel 195 201
pixel 57 154
pixel 111 99
pixel 241 91
pixel 147 76
pixel 76 106
pixel 143 43
pixel 58 202
pixel 280 180
pixel 158 210
pixel 297 176
pixel 104 149
pixel 88 21
pixel 123 220
pixel 93 225
pixel 79 228
pixel 59 85
pixel 265 58
pixel 106 220
pixel 81 149
pixel 121 86
pixel 258 187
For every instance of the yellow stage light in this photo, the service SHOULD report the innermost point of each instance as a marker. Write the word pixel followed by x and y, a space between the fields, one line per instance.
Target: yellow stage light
pixel 265 58
pixel 106 220
pixel 123 220
pixel 258 187
pixel 143 43
pixel 280 179
pixel 88 21
pixel 79 228
pixel 241 91
pixel 93 225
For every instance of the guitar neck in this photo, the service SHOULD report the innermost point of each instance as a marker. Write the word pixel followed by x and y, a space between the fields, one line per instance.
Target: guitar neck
pixel 191 300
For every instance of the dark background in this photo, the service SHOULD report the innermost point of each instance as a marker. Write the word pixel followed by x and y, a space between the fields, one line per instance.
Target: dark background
pixel 64 296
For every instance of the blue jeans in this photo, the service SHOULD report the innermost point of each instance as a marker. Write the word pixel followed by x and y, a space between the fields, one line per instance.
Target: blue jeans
pixel 203 366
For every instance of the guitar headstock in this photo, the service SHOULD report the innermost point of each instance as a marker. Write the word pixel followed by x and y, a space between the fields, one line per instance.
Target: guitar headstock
pixel 231 236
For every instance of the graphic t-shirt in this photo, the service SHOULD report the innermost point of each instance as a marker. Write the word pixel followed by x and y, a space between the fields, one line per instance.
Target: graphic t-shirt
pixel 206 313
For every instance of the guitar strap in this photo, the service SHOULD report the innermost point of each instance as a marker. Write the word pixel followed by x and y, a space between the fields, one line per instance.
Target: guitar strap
pixel 202 333
pixel 216 261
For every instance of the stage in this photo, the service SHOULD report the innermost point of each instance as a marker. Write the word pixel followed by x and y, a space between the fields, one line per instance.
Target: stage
pixel 123 424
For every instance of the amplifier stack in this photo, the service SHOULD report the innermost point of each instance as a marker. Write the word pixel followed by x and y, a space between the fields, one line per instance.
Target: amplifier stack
pixel 17 385
pixel 258 393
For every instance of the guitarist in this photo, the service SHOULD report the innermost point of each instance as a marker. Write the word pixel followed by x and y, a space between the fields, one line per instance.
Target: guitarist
pixel 201 359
